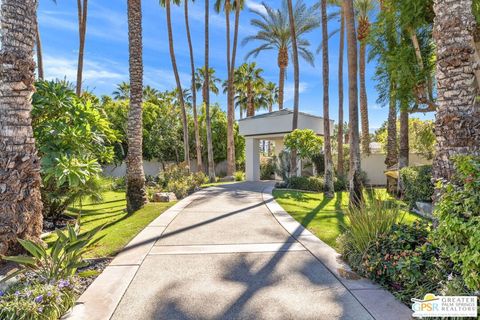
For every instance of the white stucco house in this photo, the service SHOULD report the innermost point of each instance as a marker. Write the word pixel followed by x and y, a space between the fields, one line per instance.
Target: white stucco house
pixel 273 127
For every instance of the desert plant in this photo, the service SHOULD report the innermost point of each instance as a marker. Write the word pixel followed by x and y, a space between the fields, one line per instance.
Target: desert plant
pixel 62 261
pixel 239 175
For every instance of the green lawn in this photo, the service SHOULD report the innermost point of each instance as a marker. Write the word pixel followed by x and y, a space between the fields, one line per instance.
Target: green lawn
pixel 325 217
pixel 120 227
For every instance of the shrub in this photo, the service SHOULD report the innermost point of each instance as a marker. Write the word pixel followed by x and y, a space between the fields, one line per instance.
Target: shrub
pixel 458 213
pixel 417 184
pixel 179 180
pixel 38 300
pixel 306 183
pixel 367 223
pixel 267 168
pixel 239 175
pixel 62 261
pixel 340 183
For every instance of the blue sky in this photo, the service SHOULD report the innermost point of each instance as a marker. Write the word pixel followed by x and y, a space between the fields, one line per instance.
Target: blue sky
pixel 106 53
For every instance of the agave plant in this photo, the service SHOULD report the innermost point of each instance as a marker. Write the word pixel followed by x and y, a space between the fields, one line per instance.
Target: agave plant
pixel 59 262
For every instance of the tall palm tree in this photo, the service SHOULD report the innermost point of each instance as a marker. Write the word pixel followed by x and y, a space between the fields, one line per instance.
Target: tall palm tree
pixel 136 192
pixel 457 124
pixel 355 186
pixel 274 34
pixel 82 10
pixel 186 145
pixel 200 78
pixel 20 202
pixel 363 8
pixel 38 47
pixel 211 164
pixel 296 76
pixel 329 189
pixel 198 144
pixel 228 5
pixel 271 94
pixel 341 49
pixel 404 148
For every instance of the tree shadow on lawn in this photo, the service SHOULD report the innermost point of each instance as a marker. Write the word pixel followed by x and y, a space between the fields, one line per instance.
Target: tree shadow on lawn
pixel 312 214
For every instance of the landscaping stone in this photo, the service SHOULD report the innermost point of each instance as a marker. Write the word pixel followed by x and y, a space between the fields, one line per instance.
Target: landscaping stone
pixel 164 197
pixel 227 179
pixel 425 209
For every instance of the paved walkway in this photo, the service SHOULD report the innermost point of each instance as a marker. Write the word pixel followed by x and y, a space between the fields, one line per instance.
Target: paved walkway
pixel 231 252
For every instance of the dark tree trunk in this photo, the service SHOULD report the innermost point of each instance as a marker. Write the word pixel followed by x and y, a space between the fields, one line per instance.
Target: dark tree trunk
pixel 20 200
pixel 211 164
pixel 136 193
pixel 329 188
pixel 282 61
pixel 38 45
pixel 186 145
pixel 340 162
pixel 198 144
pixel 355 186
pixel 82 30
pixel 363 100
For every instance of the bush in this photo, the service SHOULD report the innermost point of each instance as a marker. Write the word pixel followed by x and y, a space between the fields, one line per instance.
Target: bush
pixel 367 223
pixel 239 175
pixel 340 183
pixel 417 184
pixel 306 183
pixel 179 180
pixel 458 214
pixel 38 300
pixel 406 262
pixel 267 168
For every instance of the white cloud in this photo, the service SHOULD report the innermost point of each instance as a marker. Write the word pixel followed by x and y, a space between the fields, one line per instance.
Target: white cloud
pixel 60 67
pixel 290 90
pixel 252 5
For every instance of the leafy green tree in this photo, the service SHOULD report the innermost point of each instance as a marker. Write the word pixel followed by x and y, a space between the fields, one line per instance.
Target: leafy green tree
pixel 73 137
pixel 305 141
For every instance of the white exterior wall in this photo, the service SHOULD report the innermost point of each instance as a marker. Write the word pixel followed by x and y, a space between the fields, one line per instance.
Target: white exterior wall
pixel 252 163
pixel 374 166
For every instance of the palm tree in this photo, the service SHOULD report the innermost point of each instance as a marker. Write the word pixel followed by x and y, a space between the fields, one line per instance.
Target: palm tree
pixel 20 201
pixel 271 94
pixel 198 144
pixel 274 34
pixel 38 47
pixel 136 193
pixel 457 124
pixel 341 48
pixel 122 92
pixel 82 9
pixel 363 10
pixel 329 188
pixel 404 149
pixel 186 145
pixel 227 7
pixel 211 164
pixel 247 78
pixel 200 79
pixel 355 186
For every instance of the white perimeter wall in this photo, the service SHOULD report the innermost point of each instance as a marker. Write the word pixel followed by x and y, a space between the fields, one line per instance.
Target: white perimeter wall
pixel 374 166
pixel 152 168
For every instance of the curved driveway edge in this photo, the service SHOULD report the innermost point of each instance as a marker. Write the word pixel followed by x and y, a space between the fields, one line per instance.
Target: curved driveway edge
pixel 380 303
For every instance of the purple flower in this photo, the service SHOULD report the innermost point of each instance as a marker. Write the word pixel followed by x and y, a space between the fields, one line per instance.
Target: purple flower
pixel 49 294
pixel 63 283
pixel 17 293
pixel 40 309
pixel 39 299
pixel 2 293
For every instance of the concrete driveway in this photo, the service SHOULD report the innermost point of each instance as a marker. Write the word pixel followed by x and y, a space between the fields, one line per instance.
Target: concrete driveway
pixel 230 252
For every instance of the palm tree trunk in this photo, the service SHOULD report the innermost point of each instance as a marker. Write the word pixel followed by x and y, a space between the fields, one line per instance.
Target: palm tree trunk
pixel 136 193
pixel 363 101
pixel 282 61
pixel 329 188
pixel 198 144
pixel 20 201
pixel 211 164
pixel 230 106
pixel 392 155
pixel 340 168
pixel 250 106
pixel 38 45
pixel 457 124
pixel 404 149
pixel 82 30
pixel 355 186
pixel 186 145
pixel 296 74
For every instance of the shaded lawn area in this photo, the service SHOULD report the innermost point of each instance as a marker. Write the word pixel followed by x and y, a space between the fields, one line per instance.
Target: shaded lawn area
pixel 120 227
pixel 326 217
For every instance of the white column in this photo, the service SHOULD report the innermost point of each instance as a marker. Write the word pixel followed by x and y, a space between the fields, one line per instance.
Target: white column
pixel 278 149
pixel 252 159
